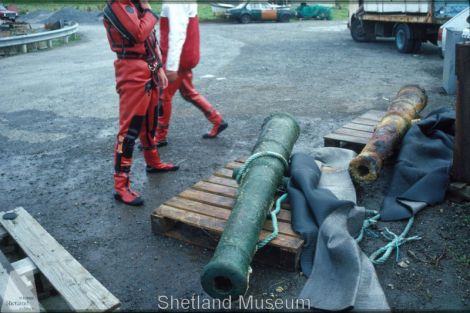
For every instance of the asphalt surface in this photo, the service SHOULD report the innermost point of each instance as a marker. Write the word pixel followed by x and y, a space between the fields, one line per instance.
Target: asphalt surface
pixel 58 120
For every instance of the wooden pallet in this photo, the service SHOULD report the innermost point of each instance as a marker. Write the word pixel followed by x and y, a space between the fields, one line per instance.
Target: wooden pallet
pixel 356 134
pixel 198 216
pixel 37 272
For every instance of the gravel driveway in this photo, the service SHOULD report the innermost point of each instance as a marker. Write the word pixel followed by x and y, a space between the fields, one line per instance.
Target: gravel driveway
pixel 58 120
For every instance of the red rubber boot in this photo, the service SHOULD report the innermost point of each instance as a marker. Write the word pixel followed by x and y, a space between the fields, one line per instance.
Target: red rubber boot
pixel 123 191
pixel 154 164
pixel 219 125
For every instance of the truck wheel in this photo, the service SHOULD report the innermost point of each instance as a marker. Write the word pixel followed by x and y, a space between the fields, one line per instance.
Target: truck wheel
pixel 404 39
pixel 362 31
pixel 245 19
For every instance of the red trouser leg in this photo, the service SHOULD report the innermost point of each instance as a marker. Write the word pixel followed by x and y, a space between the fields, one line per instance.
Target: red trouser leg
pixel 132 77
pixel 164 111
pixel 191 95
pixel 148 139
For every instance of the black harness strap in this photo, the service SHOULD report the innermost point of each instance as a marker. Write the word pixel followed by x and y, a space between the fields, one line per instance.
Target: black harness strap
pixel 112 18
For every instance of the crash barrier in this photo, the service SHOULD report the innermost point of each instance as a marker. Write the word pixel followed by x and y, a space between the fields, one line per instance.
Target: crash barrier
pixel 405 108
pixel 68 30
pixel 227 274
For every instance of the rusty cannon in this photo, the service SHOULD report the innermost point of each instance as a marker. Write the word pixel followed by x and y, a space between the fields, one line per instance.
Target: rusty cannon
pixel 227 274
pixel 410 100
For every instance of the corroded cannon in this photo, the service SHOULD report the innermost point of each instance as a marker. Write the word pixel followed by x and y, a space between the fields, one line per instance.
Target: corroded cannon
pixel 227 274
pixel 410 100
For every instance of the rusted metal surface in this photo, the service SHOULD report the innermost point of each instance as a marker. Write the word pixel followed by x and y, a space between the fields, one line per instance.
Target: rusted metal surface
pixel 461 162
pixel 402 18
pixel 410 100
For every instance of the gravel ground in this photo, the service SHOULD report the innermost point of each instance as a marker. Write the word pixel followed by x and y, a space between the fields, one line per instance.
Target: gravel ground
pixel 58 119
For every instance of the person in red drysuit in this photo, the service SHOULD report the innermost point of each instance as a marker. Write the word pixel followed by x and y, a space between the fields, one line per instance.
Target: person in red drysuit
pixel 139 75
pixel 179 38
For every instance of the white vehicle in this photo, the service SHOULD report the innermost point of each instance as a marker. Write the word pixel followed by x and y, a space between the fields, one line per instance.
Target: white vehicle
pixel 411 22
pixel 457 22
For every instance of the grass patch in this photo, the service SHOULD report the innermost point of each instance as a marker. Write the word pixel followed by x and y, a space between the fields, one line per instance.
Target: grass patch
pixel 339 14
pixel 204 9
pixel 24 6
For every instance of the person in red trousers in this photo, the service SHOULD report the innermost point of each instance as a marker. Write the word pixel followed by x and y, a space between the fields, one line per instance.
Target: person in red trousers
pixel 139 75
pixel 179 37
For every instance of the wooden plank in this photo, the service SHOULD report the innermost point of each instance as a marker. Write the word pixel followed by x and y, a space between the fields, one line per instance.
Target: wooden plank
pixel 222 181
pixel 233 165
pixel 269 255
pixel 218 225
pixel 224 173
pixel 15 294
pixel 364 128
pixel 224 214
pixel 24 266
pixel 354 133
pixel 77 286
pixel 346 138
pixel 364 121
pixel 223 202
pixel 220 190
pixel 208 198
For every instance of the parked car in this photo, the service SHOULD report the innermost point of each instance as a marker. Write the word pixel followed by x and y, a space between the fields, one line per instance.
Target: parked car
pixel 313 11
pixel 458 22
pixel 256 11
pixel 7 15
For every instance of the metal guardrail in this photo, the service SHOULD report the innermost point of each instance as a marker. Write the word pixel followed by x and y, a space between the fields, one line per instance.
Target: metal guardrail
pixel 66 31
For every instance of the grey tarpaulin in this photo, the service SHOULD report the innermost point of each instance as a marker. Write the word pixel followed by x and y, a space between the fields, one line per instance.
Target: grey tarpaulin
pixel 421 173
pixel 324 213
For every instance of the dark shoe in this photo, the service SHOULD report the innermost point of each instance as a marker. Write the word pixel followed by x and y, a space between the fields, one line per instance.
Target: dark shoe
pixel 136 201
pixel 216 130
pixel 162 168
pixel 162 143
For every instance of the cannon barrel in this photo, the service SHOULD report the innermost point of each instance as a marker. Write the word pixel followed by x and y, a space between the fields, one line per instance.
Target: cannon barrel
pixel 227 274
pixel 410 100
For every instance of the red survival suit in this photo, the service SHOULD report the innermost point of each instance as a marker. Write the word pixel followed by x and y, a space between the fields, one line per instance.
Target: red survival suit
pixel 179 37
pixel 131 35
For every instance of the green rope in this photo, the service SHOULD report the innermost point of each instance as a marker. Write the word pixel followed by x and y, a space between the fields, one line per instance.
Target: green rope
pixel 243 169
pixel 367 223
pixel 274 213
pixel 381 255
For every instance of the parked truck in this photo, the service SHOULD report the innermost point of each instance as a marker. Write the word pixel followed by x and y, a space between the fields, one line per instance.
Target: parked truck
pixel 411 22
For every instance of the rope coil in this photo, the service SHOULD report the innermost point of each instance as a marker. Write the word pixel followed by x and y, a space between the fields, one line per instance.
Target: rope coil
pixel 243 169
pixel 381 255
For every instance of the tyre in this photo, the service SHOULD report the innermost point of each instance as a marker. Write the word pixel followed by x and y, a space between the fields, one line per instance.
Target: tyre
pixel 404 40
pixel 245 19
pixel 362 31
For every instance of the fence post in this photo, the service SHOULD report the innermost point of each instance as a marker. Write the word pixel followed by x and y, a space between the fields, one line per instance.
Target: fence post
pixel 461 163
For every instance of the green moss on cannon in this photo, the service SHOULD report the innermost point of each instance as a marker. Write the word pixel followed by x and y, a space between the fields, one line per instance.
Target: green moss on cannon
pixel 227 274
